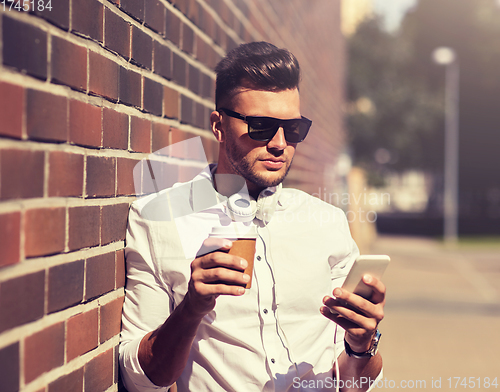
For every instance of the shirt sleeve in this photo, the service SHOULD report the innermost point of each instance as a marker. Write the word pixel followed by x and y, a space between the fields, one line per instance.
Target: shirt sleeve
pixel 143 287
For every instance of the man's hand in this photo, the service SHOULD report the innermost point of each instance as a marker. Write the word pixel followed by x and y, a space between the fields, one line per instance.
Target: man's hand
pixel 358 316
pixel 163 353
pixel 213 274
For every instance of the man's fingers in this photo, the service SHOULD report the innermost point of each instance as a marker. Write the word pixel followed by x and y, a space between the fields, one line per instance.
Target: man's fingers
pixel 220 259
pixel 215 290
pixel 378 294
pixel 222 275
pixel 212 244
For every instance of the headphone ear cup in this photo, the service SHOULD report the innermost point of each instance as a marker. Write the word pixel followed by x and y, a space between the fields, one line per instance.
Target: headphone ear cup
pixel 241 207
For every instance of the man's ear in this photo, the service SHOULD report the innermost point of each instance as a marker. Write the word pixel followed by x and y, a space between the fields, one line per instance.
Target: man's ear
pixel 216 125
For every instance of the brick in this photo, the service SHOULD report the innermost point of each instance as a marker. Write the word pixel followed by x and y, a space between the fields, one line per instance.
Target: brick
pixel 47 116
pixel 130 87
pixel 113 223
pixel 178 150
pixel 194 79
pixel 111 317
pixel 117 34
pixel 155 15
pixel 125 176
pixel 140 134
pixel 9 368
pixel 207 86
pixel 207 23
pixel 120 268
pixel 81 334
pixel 83 227
pixel 87 18
pixel 11 110
pixel 193 11
pixel 10 238
pixel 100 275
pixel 201 49
pixel 170 102
pixel 84 124
pixel 65 285
pixel 114 129
pixel 231 43
pixel 99 372
pixel 211 148
pixel 187 39
pixel 173 31
pixel 200 115
pixel 65 174
pixel 69 63
pixel 103 76
pixel 134 8
pixel 179 69
pixel 100 176
pixel 24 47
pixel 158 175
pixel 22 300
pixel 163 60
pixel 21 174
pixel 187 105
pixel 43 351
pixel 58 15
pixel 44 230
pixel 72 382
pixel 160 136
pixel 153 96
pixel 142 48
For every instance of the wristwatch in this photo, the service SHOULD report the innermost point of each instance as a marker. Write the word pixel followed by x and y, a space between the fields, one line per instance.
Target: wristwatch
pixel 367 354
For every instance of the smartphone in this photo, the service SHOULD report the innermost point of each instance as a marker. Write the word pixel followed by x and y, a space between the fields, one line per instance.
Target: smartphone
pixel 373 265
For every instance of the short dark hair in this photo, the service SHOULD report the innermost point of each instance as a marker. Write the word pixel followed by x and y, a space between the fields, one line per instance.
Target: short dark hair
pixel 261 64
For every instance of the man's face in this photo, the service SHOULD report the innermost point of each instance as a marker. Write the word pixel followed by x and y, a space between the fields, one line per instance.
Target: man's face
pixel 262 164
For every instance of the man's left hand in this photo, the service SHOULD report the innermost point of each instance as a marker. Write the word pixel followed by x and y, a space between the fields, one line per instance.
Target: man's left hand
pixel 357 315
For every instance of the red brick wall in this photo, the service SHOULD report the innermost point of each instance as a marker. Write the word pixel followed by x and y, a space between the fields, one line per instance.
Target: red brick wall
pixel 87 90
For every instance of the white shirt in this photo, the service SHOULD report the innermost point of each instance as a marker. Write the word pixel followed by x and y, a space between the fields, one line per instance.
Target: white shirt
pixel 269 339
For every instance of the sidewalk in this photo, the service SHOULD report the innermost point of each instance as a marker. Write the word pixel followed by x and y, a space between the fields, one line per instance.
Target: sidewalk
pixel 442 319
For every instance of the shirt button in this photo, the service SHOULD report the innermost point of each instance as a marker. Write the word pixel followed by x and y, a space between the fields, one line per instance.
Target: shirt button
pixel 265 311
pixel 272 360
pixel 258 258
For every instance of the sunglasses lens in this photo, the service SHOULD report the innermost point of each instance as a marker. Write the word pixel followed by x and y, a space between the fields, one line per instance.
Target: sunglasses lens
pixel 264 128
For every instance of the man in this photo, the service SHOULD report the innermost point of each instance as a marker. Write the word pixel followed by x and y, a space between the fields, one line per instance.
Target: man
pixel 188 320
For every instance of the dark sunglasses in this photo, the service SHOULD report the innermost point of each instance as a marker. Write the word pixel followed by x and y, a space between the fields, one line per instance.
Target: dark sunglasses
pixel 264 128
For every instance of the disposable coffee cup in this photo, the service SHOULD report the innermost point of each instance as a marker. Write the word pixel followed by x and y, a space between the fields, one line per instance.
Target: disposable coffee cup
pixel 244 239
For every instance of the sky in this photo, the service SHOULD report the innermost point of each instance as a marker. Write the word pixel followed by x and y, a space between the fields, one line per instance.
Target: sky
pixel 392 11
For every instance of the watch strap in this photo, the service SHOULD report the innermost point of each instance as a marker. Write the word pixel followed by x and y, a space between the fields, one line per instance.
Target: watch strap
pixel 367 354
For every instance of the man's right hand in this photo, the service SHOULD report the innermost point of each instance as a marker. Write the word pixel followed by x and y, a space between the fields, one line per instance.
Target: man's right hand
pixel 213 274
pixel 163 353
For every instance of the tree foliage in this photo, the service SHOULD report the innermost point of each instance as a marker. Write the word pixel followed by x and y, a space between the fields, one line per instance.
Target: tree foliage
pixel 396 92
pixel 393 117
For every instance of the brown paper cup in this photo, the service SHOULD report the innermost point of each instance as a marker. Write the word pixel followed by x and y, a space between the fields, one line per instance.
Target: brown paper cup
pixel 245 247
pixel 244 239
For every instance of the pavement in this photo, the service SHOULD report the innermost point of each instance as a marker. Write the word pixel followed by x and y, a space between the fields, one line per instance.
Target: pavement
pixel 442 317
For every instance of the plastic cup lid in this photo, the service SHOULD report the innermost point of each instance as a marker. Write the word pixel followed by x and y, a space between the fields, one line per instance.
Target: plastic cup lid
pixel 235 230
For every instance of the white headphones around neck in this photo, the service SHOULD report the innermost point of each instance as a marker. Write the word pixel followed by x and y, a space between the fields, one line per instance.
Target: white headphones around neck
pixel 244 208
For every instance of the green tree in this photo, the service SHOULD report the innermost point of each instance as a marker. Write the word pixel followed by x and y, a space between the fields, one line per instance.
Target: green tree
pixel 393 117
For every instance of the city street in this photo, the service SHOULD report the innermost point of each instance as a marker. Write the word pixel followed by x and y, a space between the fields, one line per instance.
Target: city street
pixel 442 323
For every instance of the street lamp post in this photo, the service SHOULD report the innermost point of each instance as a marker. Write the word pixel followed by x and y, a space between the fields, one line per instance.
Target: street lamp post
pixel 447 57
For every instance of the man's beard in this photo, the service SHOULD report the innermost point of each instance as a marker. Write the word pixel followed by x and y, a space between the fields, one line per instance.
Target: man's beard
pixel 241 166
